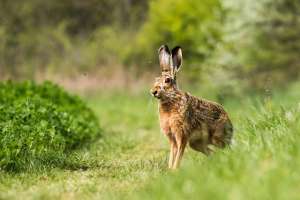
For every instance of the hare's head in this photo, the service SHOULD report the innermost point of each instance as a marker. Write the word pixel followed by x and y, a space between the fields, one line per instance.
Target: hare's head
pixel 165 86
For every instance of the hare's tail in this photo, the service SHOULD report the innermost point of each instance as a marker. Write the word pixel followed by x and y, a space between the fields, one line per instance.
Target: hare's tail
pixel 228 132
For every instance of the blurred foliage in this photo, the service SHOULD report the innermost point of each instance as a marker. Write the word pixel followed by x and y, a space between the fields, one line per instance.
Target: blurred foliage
pixel 194 25
pixel 262 41
pixel 231 45
pixel 40 124
pixel 54 35
pixel 275 52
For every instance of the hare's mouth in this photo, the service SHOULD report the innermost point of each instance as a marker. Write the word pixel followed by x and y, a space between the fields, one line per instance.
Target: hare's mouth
pixel 157 96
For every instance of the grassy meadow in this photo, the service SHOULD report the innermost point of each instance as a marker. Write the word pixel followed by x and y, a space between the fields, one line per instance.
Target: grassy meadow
pixel 130 160
pixel 243 54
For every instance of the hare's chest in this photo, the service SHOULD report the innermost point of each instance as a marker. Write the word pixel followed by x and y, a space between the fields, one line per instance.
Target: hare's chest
pixel 170 122
pixel 164 120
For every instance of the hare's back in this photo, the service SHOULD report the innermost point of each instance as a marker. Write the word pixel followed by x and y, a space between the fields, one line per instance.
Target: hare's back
pixel 207 111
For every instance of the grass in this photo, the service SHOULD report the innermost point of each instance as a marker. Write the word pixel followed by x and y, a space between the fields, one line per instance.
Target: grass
pixel 129 161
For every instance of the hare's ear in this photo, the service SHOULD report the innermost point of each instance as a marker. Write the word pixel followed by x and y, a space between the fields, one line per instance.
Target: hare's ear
pixel 176 58
pixel 164 58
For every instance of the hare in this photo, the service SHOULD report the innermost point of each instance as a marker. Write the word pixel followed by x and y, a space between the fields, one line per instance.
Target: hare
pixel 185 118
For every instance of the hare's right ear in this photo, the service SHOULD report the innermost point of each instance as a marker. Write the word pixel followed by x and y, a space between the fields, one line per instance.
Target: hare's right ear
pixel 164 58
pixel 176 58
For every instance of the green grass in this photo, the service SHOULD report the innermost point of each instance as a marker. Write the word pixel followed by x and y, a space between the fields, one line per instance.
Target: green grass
pixel 129 161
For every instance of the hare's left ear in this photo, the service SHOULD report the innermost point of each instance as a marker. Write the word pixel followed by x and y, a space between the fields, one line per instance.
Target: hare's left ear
pixel 176 58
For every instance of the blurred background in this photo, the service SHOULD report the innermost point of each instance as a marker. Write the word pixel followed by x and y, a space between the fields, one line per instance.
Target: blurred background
pixel 230 46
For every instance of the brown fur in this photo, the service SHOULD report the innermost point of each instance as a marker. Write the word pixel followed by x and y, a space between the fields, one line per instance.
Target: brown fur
pixel 185 118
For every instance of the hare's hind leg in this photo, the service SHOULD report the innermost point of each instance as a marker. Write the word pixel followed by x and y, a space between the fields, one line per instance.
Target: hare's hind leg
pixel 198 145
pixel 223 135
pixel 199 141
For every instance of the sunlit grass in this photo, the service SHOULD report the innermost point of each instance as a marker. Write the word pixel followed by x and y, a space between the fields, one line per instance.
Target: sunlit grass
pixel 130 160
pixel 262 164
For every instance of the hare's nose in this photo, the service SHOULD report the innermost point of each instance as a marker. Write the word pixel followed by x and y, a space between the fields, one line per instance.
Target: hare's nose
pixel 154 92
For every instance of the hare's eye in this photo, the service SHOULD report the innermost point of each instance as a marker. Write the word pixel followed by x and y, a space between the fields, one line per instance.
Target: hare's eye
pixel 167 80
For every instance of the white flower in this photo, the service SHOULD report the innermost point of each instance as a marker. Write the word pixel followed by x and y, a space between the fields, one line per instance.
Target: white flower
pixel 289 116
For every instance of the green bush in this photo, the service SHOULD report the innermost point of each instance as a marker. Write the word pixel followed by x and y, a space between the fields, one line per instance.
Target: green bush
pixel 40 124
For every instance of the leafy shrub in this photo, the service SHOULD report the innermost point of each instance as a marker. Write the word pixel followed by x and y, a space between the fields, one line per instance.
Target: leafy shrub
pixel 40 124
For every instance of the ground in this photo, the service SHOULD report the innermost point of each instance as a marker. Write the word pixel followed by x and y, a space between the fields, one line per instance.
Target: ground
pixel 130 160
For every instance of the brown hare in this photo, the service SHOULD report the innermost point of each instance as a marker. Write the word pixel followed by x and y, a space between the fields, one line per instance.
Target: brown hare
pixel 185 118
